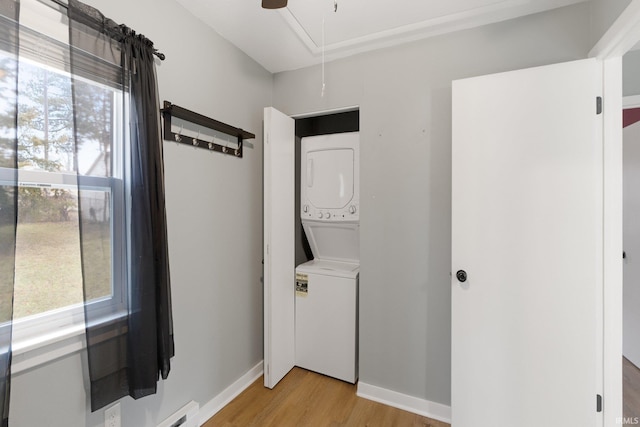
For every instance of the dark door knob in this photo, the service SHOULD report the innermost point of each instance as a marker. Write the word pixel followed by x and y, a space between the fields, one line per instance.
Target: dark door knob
pixel 461 275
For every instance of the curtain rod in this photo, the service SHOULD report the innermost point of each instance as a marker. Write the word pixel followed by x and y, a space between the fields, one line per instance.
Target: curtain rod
pixel 160 55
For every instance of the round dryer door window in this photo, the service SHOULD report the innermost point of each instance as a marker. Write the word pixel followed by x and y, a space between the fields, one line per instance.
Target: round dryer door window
pixel 330 178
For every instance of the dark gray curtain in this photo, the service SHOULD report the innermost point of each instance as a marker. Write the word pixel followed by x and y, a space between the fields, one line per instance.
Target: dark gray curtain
pixel 128 352
pixel 9 11
pixel 150 324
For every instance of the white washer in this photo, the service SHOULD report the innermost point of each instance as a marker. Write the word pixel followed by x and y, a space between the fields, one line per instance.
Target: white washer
pixel 327 318
pixel 326 337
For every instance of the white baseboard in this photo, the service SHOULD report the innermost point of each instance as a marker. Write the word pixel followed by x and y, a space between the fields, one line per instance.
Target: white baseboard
pixel 436 411
pixel 187 416
pixel 213 406
pixel 632 101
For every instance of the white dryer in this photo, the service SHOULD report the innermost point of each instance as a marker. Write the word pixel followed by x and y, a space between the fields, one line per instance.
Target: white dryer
pixel 327 287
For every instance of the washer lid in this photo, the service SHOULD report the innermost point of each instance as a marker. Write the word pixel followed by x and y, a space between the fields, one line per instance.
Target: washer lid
pixel 336 241
pixel 329 268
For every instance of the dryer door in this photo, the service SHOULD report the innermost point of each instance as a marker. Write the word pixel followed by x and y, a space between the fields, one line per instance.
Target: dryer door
pixel 330 178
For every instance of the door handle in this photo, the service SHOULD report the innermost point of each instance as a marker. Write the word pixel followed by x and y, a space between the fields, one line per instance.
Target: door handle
pixel 461 275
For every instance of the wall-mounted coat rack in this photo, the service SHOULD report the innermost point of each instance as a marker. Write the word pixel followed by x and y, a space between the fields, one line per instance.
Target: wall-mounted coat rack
pixel 201 139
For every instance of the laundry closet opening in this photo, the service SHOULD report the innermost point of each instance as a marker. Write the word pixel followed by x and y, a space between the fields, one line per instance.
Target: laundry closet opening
pixel 328 210
pixel 311 199
pixel 348 121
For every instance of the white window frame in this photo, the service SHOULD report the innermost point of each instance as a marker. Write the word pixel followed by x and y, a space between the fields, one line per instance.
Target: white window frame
pixel 45 336
pixel 49 335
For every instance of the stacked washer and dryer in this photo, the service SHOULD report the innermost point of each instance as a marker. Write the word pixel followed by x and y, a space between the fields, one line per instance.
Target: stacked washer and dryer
pixel 326 303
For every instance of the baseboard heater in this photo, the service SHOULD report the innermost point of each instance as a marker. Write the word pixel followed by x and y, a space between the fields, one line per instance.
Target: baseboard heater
pixel 187 416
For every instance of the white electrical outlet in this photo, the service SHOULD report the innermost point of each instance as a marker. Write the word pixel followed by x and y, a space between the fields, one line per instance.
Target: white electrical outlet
pixel 112 416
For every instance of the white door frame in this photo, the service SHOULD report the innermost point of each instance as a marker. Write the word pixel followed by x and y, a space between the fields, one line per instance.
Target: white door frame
pixel 612 240
pixel 621 36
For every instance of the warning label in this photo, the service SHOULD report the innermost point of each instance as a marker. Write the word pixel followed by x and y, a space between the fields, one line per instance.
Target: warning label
pixel 302 282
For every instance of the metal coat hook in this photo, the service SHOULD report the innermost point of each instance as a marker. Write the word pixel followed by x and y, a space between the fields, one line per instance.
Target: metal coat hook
pixel 237 150
pixel 195 140
pixel 178 135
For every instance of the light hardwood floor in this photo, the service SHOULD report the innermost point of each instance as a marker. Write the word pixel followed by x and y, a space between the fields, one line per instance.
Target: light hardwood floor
pixel 630 389
pixel 304 398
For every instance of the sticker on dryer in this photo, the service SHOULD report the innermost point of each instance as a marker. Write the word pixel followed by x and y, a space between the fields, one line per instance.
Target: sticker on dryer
pixel 302 282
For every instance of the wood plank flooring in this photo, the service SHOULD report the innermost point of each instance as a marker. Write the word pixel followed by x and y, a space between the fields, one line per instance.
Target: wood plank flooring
pixel 304 398
pixel 630 389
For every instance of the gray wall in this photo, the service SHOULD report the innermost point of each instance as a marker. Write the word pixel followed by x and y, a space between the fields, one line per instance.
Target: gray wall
pixel 214 212
pixel 603 14
pixel 404 94
pixel 630 73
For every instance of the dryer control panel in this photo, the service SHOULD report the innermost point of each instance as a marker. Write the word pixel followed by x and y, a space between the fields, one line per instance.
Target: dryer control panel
pixel 350 213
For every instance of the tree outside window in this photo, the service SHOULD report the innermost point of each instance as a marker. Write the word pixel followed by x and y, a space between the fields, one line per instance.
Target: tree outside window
pixel 48 268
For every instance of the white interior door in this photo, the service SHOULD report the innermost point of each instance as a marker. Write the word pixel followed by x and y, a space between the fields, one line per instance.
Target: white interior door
pixel 527 229
pixel 279 246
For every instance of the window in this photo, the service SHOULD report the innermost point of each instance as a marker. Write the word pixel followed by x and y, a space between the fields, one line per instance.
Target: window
pixel 48 290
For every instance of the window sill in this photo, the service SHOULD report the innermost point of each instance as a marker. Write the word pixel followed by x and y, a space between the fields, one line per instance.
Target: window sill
pixel 31 353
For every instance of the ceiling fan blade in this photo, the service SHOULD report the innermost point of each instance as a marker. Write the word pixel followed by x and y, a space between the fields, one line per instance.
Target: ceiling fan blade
pixel 274 4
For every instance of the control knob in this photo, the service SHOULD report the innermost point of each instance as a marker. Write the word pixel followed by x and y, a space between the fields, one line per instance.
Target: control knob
pixel 305 209
pixel 319 215
pixel 352 209
pixel 328 215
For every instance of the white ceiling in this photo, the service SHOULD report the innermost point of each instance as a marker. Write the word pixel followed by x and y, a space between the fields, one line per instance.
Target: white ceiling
pixel 292 38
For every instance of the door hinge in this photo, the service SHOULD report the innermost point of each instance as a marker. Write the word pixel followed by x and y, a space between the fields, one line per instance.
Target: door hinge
pixel 598 403
pixel 598 105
